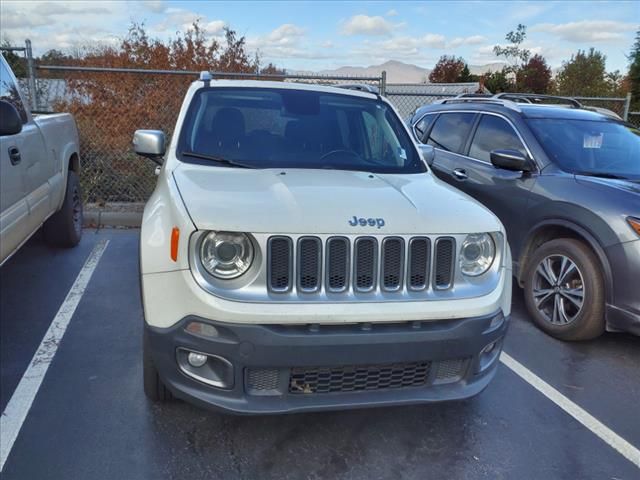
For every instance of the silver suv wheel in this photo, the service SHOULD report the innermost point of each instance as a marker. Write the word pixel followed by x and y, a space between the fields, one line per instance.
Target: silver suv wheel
pixel 558 289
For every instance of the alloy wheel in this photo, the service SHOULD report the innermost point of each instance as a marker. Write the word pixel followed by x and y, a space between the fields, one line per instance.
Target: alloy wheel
pixel 558 289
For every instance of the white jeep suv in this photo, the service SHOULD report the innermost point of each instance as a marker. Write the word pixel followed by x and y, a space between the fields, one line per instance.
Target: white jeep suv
pixel 297 254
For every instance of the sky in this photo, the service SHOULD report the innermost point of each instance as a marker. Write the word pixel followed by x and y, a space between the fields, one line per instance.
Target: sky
pixel 319 35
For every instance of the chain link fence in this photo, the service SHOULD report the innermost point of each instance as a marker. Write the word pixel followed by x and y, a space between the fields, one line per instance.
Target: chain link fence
pixel 408 97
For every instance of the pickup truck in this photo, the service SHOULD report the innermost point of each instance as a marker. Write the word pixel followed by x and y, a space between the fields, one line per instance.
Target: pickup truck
pixel 39 165
pixel 297 254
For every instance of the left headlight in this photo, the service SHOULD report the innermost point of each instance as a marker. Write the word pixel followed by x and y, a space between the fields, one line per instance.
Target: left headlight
pixel 226 255
pixel 477 254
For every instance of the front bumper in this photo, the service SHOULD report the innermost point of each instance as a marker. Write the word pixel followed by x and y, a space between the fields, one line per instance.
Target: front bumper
pixel 623 313
pixel 342 366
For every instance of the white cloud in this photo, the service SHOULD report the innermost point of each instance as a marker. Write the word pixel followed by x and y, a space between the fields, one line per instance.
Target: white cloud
pixel 587 30
pixel 391 13
pixel 215 27
pixel 366 25
pixel 156 6
pixel 285 34
pixel 472 40
pixel 288 41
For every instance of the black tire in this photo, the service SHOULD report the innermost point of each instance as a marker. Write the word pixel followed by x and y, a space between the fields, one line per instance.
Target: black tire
pixel 64 228
pixel 154 388
pixel 559 315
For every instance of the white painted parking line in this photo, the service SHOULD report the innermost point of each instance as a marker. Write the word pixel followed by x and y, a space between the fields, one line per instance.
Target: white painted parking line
pixel 20 403
pixel 607 435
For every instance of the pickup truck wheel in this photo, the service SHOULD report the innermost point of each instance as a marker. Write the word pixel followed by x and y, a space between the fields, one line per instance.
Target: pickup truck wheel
pixel 154 388
pixel 64 228
pixel 564 290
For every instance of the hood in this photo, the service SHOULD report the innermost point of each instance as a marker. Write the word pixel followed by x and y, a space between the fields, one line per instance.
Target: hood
pixel 631 186
pixel 326 202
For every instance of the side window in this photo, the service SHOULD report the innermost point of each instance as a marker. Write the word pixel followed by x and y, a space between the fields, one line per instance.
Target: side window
pixel 494 133
pixel 422 127
pixel 451 131
pixel 9 92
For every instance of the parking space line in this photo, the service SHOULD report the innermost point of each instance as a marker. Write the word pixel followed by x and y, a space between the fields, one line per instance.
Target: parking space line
pixel 20 403
pixel 605 434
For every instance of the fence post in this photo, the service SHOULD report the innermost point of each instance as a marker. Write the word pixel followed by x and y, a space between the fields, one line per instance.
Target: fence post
pixel 31 72
pixel 627 106
pixel 383 83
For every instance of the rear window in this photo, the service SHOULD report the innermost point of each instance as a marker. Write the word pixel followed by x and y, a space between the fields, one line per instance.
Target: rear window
pixel 276 128
pixel 451 131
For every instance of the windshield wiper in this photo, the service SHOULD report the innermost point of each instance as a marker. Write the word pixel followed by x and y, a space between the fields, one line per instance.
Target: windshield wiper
pixel 217 159
pixel 602 175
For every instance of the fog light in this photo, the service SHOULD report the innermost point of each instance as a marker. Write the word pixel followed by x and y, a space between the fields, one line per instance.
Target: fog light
pixel 196 359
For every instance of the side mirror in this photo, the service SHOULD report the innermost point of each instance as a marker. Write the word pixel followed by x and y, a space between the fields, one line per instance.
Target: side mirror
pixel 150 144
pixel 10 121
pixel 428 153
pixel 510 160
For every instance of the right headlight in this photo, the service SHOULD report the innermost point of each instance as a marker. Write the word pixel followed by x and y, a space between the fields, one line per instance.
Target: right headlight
pixel 226 255
pixel 477 253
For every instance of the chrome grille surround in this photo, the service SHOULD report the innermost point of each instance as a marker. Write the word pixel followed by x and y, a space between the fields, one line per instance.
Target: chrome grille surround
pixel 337 282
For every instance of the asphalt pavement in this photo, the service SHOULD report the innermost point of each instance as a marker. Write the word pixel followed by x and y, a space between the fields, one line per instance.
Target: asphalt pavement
pixel 90 419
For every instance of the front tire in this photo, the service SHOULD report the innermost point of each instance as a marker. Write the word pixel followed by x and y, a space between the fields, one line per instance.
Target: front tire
pixel 564 290
pixel 64 228
pixel 154 387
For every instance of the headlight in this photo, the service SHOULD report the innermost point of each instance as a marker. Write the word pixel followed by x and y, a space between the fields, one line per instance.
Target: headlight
pixel 225 254
pixel 476 254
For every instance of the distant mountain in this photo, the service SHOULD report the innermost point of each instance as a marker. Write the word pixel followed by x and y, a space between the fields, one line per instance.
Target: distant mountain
pixel 399 72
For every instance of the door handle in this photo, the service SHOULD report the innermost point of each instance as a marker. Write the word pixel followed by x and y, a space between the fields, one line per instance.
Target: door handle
pixel 460 174
pixel 14 155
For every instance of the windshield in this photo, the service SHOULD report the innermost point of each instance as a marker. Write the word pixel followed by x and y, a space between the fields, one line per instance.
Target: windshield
pixel 600 148
pixel 277 128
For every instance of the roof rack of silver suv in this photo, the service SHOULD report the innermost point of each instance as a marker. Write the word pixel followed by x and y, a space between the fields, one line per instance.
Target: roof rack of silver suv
pixel 361 87
pixel 476 98
pixel 534 99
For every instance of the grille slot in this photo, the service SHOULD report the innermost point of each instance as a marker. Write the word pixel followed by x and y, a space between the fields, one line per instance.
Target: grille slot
pixel 310 380
pixel 280 264
pixel 309 264
pixel 337 264
pixel 449 371
pixel 262 381
pixel 365 263
pixel 418 264
pixel 444 262
pixel 392 263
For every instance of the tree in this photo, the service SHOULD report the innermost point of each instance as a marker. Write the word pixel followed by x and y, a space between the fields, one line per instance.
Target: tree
pixel 534 76
pixel 634 71
pixel 584 75
pixel 498 82
pixel 514 53
pixel 450 69
pixel 17 63
pixel 109 107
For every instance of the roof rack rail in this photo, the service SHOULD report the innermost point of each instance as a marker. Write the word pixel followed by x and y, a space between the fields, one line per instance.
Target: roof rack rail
pixel 534 98
pixel 465 98
pixel 360 87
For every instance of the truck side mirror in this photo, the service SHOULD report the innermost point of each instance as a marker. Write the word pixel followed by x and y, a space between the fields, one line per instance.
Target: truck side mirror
pixel 510 160
pixel 10 121
pixel 150 144
pixel 428 153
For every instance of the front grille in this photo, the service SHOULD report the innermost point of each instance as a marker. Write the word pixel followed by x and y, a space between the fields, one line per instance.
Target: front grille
pixel 418 265
pixel 337 264
pixel 262 381
pixel 392 263
pixel 309 264
pixel 449 371
pixel 365 264
pixel 444 258
pixel 358 378
pixel 359 266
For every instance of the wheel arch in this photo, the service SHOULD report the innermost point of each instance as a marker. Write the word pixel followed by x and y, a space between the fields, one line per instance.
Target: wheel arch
pixel 559 228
